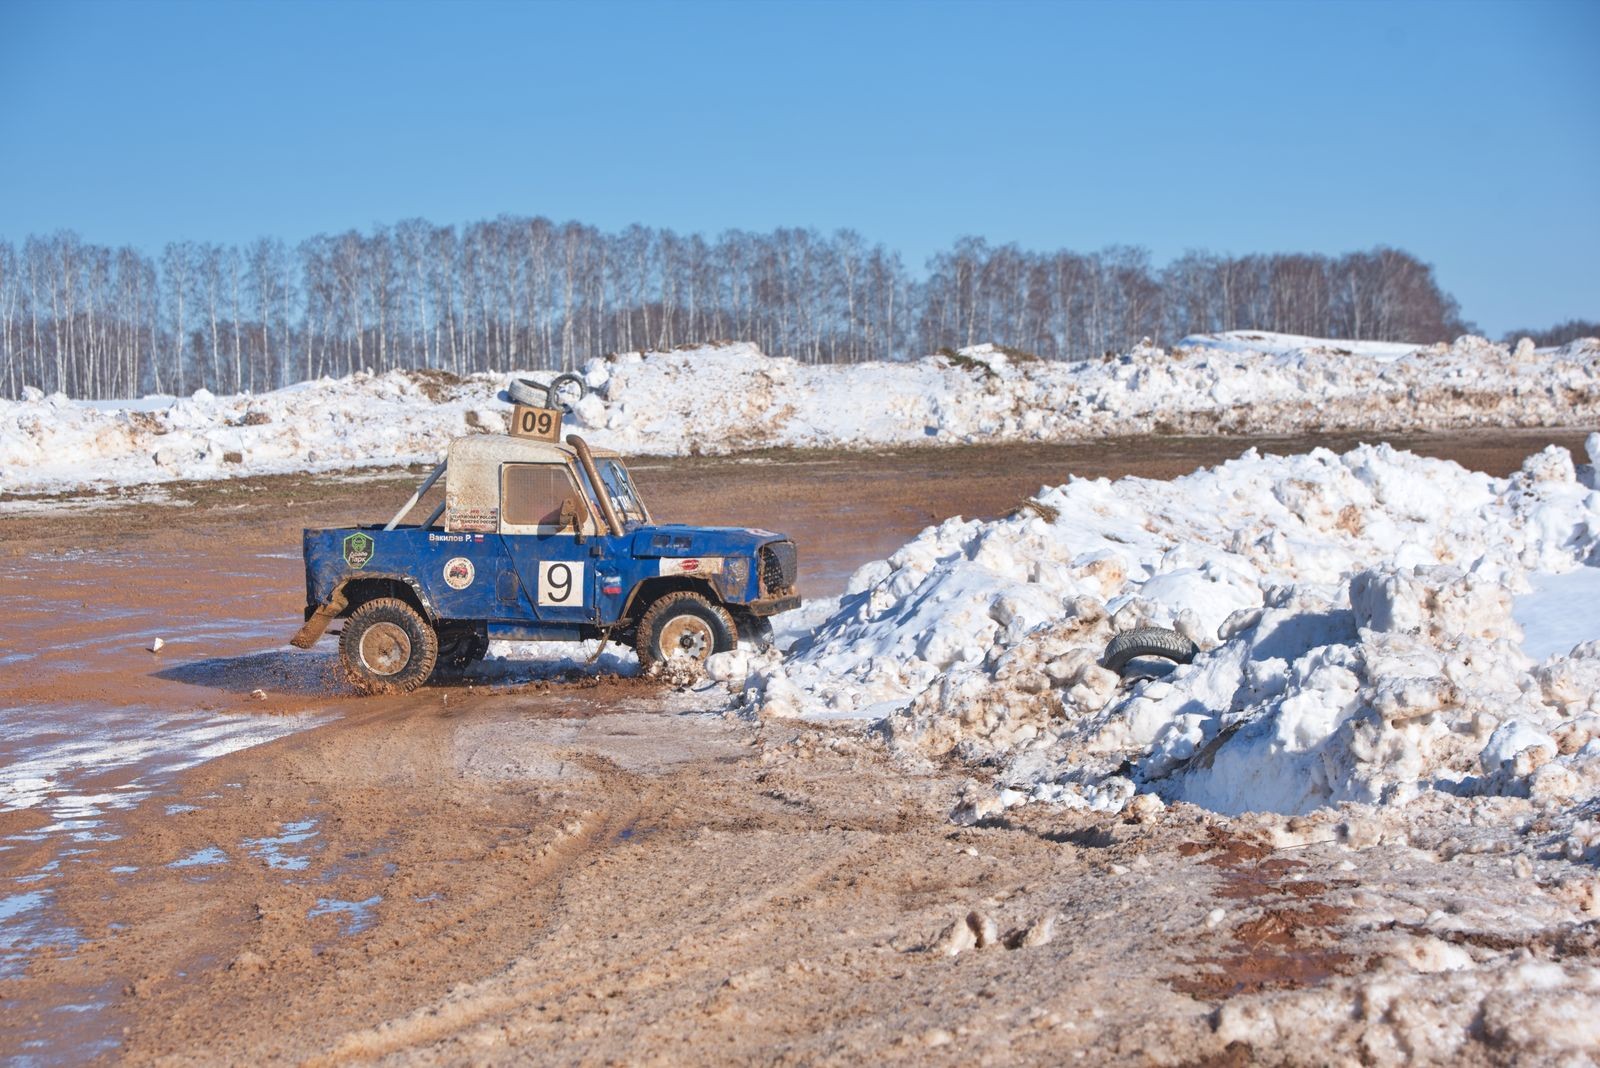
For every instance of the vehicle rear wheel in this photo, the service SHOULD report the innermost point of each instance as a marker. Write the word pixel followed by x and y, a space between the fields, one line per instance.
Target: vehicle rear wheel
pixel 684 626
pixel 387 647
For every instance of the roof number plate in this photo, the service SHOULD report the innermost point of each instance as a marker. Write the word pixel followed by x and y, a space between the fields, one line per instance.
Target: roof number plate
pixel 540 424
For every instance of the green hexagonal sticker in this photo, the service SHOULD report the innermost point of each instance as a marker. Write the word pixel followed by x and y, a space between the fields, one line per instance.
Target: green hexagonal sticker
pixel 357 550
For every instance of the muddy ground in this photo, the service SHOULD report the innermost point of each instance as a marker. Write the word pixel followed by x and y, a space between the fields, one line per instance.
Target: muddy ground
pixel 581 869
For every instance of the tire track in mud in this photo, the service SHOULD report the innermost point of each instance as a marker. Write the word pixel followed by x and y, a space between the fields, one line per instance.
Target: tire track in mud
pixel 486 870
pixel 1293 943
pixel 468 1004
pixel 716 904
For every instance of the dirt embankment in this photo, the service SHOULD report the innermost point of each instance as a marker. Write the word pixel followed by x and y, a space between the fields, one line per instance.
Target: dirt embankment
pixel 581 870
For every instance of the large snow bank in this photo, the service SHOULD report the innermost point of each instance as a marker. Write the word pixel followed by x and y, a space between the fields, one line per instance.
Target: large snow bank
pixel 732 397
pixel 1354 614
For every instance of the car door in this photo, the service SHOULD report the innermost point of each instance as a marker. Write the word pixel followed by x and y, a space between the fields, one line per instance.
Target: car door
pixel 557 575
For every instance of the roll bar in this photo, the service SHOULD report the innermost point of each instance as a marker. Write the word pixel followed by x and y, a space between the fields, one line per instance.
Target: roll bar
pixel 427 484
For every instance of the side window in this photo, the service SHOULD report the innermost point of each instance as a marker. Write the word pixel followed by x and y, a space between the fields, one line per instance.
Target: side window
pixel 531 496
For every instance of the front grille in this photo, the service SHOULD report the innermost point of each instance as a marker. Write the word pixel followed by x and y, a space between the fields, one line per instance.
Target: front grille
pixel 779 563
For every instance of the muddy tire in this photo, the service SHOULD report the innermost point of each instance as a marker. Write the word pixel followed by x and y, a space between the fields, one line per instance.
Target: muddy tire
pixel 1148 641
pixel 387 647
pixel 683 625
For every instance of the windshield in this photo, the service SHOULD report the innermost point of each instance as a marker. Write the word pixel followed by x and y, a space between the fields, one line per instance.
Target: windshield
pixel 623 496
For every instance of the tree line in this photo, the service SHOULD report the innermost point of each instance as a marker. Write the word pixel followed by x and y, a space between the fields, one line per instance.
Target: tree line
pixel 528 293
pixel 1560 334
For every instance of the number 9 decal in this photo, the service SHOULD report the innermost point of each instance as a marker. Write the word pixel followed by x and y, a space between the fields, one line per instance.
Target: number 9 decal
pixel 560 584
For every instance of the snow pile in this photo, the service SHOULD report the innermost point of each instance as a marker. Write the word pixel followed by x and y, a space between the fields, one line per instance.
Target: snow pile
pixel 52 443
pixel 730 398
pixel 1354 614
pixel 720 399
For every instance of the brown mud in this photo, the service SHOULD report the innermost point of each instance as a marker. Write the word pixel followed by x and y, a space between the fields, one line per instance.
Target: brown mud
pixel 600 871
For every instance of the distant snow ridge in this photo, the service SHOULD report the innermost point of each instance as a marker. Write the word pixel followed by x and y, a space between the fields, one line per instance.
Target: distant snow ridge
pixel 721 399
pixel 717 400
pixel 1354 613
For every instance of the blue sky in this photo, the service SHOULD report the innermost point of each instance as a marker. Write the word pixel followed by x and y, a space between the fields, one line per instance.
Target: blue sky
pixel 1468 133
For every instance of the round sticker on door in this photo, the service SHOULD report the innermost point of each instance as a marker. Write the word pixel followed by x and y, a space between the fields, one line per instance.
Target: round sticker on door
pixel 459 573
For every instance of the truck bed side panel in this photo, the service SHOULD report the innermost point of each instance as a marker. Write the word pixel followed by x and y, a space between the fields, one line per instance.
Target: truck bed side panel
pixel 462 576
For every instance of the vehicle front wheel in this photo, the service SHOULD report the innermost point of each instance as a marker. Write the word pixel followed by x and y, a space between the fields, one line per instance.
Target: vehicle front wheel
pixel 387 647
pixel 684 626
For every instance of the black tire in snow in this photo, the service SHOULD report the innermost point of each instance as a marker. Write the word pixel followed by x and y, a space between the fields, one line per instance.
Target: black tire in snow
pixel 564 393
pixel 560 393
pixel 1148 641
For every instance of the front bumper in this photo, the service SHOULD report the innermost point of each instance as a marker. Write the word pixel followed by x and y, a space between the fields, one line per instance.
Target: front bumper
pixel 771 606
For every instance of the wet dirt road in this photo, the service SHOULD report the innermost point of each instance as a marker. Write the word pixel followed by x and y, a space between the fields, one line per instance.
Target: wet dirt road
pixel 557 866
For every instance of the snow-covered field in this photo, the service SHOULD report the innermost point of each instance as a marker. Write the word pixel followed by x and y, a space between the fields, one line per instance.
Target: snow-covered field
pixel 732 397
pixel 1363 622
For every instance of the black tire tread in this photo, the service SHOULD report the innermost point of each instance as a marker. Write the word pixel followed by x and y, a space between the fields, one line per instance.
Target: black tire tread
pixel 527 391
pixel 552 397
pixel 1148 641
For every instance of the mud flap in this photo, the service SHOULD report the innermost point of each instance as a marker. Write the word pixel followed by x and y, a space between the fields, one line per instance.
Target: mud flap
pixel 756 630
pixel 307 635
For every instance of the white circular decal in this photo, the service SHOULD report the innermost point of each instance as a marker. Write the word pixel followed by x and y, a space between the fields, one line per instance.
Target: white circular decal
pixel 459 573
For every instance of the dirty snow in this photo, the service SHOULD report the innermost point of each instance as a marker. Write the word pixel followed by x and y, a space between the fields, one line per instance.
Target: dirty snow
pixel 657 403
pixel 114 758
pixel 1355 615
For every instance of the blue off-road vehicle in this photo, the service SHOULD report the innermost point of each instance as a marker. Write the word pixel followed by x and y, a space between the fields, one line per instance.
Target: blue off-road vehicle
pixel 539 541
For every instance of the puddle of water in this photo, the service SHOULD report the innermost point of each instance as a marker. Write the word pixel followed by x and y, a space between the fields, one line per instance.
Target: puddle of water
pixel 26 926
pixel 633 832
pixel 354 916
pixel 271 849
pixel 17 904
pixel 76 1030
pixel 199 858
